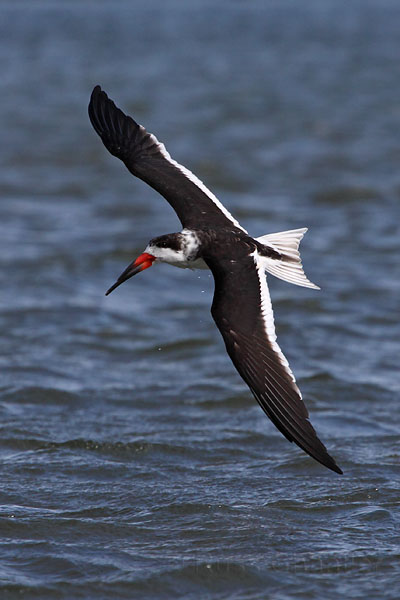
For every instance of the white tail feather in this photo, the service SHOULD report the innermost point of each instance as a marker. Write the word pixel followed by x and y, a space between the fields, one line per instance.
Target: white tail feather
pixel 286 243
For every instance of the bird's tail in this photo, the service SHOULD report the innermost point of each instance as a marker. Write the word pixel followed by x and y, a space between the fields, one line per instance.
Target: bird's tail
pixel 289 267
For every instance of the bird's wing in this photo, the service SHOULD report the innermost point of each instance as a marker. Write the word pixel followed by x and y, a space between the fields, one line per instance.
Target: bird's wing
pixel 243 313
pixel 148 159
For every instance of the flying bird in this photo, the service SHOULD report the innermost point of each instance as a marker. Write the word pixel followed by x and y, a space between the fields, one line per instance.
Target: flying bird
pixel 212 238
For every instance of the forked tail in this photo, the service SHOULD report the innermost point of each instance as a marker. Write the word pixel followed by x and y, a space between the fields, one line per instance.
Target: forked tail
pixel 289 267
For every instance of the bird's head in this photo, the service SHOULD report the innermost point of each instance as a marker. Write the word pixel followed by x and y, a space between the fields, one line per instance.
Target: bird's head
pixel 169 248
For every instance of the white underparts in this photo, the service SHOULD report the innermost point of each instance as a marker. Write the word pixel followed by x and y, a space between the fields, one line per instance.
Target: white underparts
pixel 289 267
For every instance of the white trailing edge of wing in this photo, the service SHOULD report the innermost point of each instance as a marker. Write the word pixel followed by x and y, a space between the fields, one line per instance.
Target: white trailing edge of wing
pixel 268 318
pixel 289 267
pixel 194 179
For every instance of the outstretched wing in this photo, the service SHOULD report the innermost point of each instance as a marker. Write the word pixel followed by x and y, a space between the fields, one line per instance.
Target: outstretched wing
pixel 243 313
pixel 148 159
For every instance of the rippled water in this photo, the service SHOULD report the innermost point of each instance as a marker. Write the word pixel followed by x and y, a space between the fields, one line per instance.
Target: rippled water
pixel 134 463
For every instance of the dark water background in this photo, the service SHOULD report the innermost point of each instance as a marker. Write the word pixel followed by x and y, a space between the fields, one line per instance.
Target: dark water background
pixel 134 462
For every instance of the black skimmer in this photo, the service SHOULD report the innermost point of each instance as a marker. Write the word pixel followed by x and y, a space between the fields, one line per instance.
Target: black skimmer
pixel 211 238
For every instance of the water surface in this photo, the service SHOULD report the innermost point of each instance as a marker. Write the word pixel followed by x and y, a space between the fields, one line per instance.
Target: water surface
pixel 134 462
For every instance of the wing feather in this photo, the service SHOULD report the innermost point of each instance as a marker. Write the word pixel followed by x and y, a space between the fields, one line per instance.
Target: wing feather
pixel 243 313
pixel 147 158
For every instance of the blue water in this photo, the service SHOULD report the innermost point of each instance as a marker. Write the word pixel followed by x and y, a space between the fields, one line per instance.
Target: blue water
pixel 134 461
